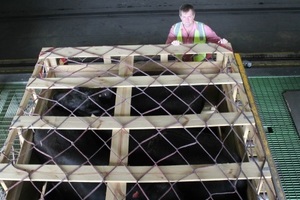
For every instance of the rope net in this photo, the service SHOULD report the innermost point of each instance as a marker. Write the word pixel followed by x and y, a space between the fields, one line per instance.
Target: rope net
pixel 135 122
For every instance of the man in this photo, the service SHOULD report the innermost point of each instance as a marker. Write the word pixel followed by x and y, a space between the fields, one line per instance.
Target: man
pixel 189 31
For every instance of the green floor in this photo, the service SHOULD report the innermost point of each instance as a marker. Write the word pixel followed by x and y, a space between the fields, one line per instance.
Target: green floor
pixel 283 139
pixel 10 97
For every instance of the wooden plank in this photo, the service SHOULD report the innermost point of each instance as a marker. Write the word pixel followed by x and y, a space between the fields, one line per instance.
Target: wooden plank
pixel 9 142
pixel 135 81
pixel 130 50
pixel 164 57
pixel 219 56
pixel 178 66
pixel 106 70
pixel 133 174
pixel 47 64
pixel 270 189
pixel 133 122
pixel 157 66
pixel 260 134
pixel 62 74
pixel 224 61
pixel 114 73
pixel 120 137
pixel 85 70
pixel 90 67
pixel 26 148
pixel 233 63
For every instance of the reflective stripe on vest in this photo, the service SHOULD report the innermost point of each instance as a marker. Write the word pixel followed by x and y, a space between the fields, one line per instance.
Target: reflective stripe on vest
pixel 199 37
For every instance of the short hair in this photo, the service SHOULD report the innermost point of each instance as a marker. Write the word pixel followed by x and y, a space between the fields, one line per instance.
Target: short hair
pixel 186 8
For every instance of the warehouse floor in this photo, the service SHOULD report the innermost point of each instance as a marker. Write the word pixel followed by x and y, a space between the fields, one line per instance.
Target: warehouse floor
pixel 280 128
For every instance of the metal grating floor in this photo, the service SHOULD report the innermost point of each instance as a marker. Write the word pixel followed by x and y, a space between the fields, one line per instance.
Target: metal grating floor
pixel 10 97
pixel 284 141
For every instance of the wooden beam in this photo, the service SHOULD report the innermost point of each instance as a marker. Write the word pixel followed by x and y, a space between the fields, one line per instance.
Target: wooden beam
pixel 133 122
pixel 120 137
pixel 130 50
pixel 135 81
pixel 260 134
pixel 133 174
pixel 144 65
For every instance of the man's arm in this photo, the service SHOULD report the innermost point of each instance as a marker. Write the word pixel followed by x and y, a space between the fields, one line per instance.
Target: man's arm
pixel 171 36
pixel 212 37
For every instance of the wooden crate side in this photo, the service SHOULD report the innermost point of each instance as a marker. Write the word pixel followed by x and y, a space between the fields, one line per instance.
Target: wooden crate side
pixel 132 50
pixel 273 186
pixel 26 148
pixel 132 174
pixel 134 122
pixel 106 70
pixel 120 138
pixel 221 73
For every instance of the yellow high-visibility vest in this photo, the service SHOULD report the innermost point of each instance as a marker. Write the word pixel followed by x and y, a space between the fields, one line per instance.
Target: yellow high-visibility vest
pixel 199 37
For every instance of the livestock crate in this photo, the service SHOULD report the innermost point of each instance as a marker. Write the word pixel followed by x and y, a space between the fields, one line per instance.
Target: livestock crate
pixel 138 122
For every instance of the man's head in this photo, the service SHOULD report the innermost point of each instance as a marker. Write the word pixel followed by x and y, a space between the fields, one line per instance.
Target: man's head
pixel 187 14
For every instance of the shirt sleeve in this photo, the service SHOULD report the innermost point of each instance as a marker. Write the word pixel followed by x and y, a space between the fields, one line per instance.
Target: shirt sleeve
pixel 171 36
pixel 211 36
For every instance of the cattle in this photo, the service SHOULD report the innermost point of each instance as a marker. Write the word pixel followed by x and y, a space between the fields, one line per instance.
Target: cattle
pixel 146 147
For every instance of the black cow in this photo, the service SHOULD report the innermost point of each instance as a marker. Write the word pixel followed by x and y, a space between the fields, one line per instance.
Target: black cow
pixel 84 102
pixel 73 147
pixel 147 147
pixel 183 147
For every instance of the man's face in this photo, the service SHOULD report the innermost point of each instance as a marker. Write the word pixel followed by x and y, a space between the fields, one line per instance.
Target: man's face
pixel 187 18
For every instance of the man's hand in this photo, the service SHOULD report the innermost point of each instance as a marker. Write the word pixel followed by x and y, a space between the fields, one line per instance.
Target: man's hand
pixel 222 41
pixel 176 43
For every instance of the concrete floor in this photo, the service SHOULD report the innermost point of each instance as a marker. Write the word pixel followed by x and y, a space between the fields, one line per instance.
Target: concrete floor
pixel 256 26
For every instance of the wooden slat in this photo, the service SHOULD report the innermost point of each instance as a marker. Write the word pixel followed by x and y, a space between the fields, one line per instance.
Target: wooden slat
pixel 181 67
pixel 130 50
pixel 135 81
pixel 145 66
pixel 26 148
pixel 114 73
pixel 62 74
pixel 105 70
pixel 164 57
pixel 133 122
pixel 133 174
pixel 120 138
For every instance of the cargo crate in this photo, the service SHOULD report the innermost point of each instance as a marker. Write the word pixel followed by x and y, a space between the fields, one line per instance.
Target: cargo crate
pixel 138 122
